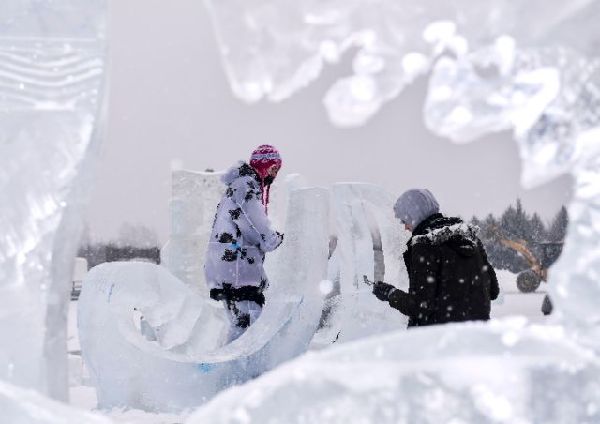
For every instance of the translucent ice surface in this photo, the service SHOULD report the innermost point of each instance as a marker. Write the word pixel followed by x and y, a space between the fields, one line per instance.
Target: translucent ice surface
pixel 549 97
pixel 52 69
pixel 194 199
pixel 469 373
pixel 361 210
pixel 273 49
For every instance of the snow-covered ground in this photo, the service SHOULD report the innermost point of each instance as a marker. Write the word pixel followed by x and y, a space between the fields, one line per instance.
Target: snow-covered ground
pixel 83 395
pixel 512 302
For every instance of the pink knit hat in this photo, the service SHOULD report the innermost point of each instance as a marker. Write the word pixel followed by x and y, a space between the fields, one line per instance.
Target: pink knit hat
pixel 262 159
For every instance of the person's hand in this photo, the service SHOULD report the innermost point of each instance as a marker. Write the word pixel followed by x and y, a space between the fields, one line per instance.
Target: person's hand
pixel 217 294
pixel 383 290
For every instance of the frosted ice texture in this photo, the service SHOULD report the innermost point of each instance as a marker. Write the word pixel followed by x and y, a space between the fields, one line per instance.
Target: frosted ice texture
pixel 550 98
pixel 145 364
pixel 273 49
pixel 469 373
pixel 172 359
pixel 194 200
pixel 52 66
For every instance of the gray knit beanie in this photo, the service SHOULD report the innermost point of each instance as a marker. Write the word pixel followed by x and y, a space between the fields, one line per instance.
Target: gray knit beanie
pixel 416 205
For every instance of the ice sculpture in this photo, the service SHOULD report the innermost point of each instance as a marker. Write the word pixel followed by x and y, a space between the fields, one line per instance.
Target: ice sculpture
pixel 359 210
pixel 171 361
pixel 52 68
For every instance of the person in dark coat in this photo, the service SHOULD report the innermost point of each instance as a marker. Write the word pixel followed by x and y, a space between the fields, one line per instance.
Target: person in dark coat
pixel 450 278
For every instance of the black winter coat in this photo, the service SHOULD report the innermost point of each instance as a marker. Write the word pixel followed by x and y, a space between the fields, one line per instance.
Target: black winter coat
pixel 450 278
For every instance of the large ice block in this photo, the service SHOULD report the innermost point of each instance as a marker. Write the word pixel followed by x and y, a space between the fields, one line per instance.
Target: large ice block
pixel 361 210
pixel 170 360
pixel 194 200
pixel 52 71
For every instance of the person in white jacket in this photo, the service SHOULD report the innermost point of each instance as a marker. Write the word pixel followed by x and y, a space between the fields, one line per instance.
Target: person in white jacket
pixel 241 236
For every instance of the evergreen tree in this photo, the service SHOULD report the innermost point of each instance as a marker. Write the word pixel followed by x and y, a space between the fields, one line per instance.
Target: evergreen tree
pixel 508 222
pixel 558 228
pixel 537 230
pixel 517 225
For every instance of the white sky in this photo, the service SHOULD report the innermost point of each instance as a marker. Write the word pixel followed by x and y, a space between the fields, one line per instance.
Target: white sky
pixel 169 100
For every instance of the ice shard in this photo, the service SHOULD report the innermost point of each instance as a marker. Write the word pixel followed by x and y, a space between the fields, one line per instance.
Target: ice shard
pixel 273 49
pixel 549 97
pixel 52 70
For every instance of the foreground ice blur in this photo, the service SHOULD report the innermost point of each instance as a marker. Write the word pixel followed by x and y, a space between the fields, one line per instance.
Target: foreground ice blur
pixel 52 65
pixel 460 373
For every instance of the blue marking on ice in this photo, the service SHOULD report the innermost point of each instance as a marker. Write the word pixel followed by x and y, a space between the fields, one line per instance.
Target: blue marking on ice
pixel 110 292
pixel 205 367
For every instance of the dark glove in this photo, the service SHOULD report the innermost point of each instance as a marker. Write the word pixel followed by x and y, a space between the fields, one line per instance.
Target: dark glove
pixel 280 238
pixel 383 290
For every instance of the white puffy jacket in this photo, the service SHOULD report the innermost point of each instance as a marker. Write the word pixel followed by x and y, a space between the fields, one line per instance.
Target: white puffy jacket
pixel 241 233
